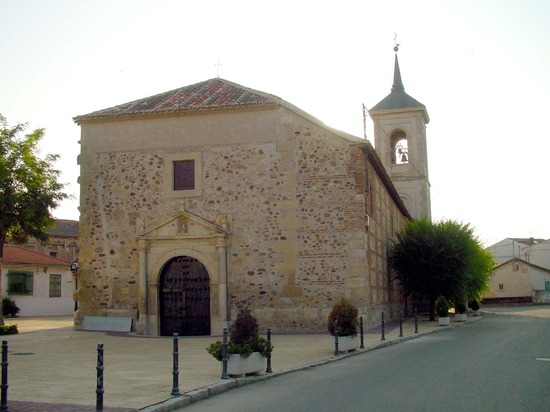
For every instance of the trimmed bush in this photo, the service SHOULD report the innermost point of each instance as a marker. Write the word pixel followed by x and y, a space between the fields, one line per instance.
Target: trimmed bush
pixel 474 305
pixel 243 339
pixel 346 314
pixel 8 330
pixel 442 307
pixel 460 307
pixel 9 307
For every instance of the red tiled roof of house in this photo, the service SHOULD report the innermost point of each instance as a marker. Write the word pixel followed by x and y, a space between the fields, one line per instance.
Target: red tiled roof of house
pixel 210 94
pixel 19 255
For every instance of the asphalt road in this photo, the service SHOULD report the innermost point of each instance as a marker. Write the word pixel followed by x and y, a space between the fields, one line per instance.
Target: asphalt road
pixel 499 364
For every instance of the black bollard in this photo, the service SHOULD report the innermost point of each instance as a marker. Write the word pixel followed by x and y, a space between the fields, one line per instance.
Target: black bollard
pixel 336 351
pixel 268 368
pixel 224 355
pixel 175 368
pixel 400 324
pixel 4 397
pixel 383 328
pixel 362 346
pixel 415 321
pixel 99 390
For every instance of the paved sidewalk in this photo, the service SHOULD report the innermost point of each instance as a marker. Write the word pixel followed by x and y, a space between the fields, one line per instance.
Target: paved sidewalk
pixel 53 367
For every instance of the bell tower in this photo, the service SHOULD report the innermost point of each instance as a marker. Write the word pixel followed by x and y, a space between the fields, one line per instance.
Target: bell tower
pixel 400 141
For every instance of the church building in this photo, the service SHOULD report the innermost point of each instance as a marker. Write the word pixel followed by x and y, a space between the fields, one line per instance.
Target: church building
pixel 210 198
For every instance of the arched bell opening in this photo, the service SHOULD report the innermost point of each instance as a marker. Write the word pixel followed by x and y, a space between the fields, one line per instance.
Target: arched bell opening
pixel 399 148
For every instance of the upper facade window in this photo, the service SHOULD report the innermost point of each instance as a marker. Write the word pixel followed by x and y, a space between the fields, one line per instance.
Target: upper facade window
pixel 183 174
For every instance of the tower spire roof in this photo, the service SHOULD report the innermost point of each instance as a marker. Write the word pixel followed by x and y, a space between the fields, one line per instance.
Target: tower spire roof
pixel 397 82
pixel 398 99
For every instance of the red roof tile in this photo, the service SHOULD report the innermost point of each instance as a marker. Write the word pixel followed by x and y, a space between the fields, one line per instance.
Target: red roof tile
pixel 210 94
pixel 19 255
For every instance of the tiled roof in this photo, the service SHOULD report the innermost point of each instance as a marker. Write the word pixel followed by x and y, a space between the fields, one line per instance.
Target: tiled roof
pixel 210 94
pixel 19 255
pixel 64 228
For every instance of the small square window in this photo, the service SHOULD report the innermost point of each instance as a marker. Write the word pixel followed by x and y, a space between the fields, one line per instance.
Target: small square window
pixel 501 286
pixel 184 175
pixel 53 254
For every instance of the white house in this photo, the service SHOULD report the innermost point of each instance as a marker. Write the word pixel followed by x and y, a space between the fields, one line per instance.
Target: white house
pixel 513 247
pixel 41 285
pixel 517 280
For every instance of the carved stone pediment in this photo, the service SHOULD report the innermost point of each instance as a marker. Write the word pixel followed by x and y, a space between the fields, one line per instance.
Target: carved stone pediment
pixel 184 225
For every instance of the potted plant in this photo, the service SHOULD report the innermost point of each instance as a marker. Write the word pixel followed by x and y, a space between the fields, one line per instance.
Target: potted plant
pixel 460 311
pixel 246 350
pixel 346 314
pixel 474 305
pixel 442 309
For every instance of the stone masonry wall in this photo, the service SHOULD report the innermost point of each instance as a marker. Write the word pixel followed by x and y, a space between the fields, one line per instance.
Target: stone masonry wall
pixel 297 204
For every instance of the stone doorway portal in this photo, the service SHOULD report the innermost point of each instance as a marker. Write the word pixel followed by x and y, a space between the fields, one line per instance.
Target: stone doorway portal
pixel 184 297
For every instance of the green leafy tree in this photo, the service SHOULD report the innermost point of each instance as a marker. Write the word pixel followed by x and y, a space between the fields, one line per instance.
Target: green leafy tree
pixel 29 186
pixel 443 258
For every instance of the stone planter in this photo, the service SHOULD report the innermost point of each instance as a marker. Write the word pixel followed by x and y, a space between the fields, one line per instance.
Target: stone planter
pixel 475 312
pixel 461 317
pixel 446 321
pixel 237 365
pixel 347 343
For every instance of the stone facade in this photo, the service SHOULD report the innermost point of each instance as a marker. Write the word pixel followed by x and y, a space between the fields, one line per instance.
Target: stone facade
pixel 285 214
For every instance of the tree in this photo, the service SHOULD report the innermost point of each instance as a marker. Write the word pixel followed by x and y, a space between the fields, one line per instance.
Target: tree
pixel 29 187
pixel 443 258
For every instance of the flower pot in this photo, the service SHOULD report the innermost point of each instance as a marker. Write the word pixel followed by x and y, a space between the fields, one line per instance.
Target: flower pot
pixel 475 312
pixel 238 365
pixel 461 317
pixel 347 343
pixel 444 321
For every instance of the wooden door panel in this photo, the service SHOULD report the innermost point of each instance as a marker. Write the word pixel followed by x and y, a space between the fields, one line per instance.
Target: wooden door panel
pixel 185 298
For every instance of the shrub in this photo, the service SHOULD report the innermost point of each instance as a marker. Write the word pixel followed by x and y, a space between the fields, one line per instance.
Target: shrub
pixel 243 339
pixel 474 305
pixel 244 328
pixel 9 307
pixel 442 307
pixel 346 315
pixel 460 307
pixel 8 330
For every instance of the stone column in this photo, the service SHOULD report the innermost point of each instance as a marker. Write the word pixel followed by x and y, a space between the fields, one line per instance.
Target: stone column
pixel 142 299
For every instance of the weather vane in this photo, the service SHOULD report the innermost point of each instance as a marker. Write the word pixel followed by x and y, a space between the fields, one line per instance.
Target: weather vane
pixel 218 69
pixel 396 45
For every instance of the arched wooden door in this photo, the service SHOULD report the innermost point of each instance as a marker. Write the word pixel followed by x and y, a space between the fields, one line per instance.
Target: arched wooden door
pixel 184 293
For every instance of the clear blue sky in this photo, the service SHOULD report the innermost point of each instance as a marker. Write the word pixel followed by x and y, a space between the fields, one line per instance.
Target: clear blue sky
pixel 481 68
